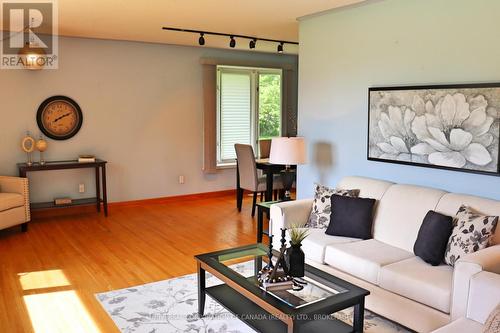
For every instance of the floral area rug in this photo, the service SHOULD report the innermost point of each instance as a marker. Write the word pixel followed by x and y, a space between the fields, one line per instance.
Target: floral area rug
pixel 172 306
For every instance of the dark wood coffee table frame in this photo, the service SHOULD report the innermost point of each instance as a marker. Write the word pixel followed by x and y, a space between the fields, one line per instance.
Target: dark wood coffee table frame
pixel 266 313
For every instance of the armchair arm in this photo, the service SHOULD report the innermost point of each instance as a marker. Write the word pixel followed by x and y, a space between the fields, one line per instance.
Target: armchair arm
pixel 484 295
pixel 13 184
pixel 467 266
pixel 286 214
pixel 17 185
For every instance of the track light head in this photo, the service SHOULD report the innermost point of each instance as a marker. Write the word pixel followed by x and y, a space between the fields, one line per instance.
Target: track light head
pixel 232 43
pixel 201 40
pixel 280 47
pixel 252 43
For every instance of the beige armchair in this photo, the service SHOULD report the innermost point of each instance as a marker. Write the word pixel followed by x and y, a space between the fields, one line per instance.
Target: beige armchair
pixel 14 202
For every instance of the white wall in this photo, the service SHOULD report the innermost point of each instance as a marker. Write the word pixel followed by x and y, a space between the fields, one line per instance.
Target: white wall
pixel 389 42
pixel 142 106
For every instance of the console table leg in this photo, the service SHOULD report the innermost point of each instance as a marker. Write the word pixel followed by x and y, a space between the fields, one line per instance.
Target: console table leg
pixel 201 291
pixel 359 316
pixel 104 191
pixel 98 188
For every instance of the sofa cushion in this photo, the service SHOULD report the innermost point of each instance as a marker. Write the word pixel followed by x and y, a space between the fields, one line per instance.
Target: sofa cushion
pixel 415 279
pixel 451 202
pixel 364 259
pixel 400 213
pixel 10 200
pixel 461 325
pixel 315 243
pixel 433 237
pixel 352 217
pixel 322 205
pixel 471 232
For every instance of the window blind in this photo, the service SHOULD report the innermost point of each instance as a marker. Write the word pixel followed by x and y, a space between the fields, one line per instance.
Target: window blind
pixel 235 116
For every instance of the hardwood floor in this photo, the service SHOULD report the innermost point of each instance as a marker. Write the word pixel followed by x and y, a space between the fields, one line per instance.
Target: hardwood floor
pixel 49 275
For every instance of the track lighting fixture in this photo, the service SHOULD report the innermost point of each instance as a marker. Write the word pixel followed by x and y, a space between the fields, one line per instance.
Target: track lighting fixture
pixel 252 43
pixel 201 40
pixel 232 42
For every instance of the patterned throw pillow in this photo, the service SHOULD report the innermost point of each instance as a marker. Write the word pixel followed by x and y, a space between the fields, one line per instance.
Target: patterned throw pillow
pixel 471 233
pixel 321 209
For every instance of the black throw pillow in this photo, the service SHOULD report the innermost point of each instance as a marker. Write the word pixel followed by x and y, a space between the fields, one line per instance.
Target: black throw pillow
pixel 433 237
pixel 351 217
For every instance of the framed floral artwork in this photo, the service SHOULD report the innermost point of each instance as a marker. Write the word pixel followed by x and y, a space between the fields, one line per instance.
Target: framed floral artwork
pixel 452 127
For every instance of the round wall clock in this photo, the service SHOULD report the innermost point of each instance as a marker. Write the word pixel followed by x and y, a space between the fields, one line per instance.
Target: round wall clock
pixel 59 117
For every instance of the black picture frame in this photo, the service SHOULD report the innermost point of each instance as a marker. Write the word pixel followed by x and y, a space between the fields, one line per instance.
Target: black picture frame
pixel 430 87
pixel 52 99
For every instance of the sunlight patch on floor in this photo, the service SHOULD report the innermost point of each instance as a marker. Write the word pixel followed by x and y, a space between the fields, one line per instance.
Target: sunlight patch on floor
pixel 60 311
pixel 54 311
pixel 43 279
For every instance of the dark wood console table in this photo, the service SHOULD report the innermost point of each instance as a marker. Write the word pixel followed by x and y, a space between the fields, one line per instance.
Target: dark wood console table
pixel 100 169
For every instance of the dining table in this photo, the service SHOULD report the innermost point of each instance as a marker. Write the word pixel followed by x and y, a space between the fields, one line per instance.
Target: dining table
pixel 269 170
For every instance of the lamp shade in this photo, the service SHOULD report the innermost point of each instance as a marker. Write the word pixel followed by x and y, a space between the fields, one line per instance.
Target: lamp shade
pixel 288 151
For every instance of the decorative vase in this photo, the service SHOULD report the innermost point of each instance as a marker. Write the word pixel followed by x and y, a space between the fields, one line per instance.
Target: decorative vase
pixel 295 260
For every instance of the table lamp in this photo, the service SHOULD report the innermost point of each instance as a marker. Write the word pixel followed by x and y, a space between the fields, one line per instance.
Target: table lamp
pixel 288 151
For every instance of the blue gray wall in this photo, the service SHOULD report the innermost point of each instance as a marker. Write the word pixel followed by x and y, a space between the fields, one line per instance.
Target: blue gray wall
pixel 390 42
pixel 143 112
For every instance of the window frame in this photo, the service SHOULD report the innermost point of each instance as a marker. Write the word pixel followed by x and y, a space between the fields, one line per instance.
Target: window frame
pixel 254 72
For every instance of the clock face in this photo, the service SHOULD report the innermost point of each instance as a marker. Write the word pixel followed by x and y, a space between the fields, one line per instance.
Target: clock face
pixel 59 117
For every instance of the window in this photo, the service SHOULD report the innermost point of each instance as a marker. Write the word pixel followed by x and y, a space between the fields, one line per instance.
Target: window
pixel 248 108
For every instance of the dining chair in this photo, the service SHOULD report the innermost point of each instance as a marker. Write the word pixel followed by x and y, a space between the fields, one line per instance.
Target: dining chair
pixel 264 148
pixel 248 178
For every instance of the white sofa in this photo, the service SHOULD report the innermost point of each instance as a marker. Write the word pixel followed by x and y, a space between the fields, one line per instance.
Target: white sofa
pixel 483 297
pixel 403 287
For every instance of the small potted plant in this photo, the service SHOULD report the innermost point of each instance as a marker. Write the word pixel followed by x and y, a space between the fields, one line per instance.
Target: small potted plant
pixel 295 258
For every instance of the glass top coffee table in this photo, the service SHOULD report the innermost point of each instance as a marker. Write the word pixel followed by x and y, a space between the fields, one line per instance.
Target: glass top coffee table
pixel 307 310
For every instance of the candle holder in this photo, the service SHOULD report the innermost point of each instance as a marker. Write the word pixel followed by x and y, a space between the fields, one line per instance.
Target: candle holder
pixel 41 145
pixel 275 276
pixel 270 254
pixel 28 146
pixel 283 237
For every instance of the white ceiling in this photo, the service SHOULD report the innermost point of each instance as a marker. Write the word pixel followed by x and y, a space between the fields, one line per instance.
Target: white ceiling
pixel 137 20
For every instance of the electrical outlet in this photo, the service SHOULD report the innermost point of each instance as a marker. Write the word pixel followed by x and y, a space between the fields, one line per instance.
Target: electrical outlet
pixel 181 179
pixel 81 188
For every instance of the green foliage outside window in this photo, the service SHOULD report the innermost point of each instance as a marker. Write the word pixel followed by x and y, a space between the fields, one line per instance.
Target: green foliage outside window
pixel 269 105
